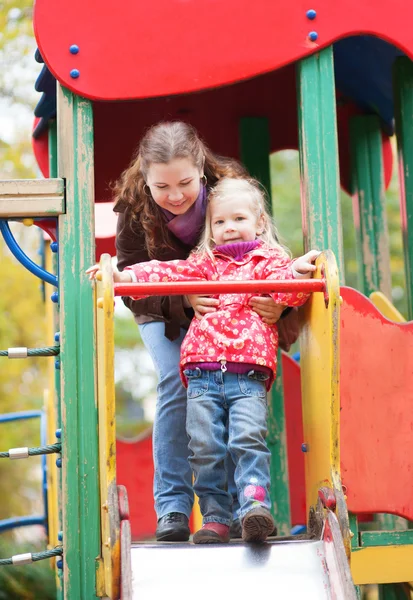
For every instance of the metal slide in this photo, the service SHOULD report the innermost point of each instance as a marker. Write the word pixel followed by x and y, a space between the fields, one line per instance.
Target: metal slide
pixel 284 568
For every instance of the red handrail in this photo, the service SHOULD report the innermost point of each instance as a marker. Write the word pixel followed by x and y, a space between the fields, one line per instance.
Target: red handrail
pixel 180 288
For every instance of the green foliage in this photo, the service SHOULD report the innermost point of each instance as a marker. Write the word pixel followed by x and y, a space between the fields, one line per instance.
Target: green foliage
pixel 26 582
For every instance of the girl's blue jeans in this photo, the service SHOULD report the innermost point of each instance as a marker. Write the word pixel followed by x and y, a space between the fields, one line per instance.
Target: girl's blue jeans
pixel 173 490
pixel 228 412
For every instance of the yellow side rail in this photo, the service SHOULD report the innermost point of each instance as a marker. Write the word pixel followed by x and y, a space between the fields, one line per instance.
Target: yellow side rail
pixel 109 577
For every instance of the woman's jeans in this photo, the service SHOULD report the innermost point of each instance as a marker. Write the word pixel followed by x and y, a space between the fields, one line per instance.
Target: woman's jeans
pixel 228 412
pixel 173 490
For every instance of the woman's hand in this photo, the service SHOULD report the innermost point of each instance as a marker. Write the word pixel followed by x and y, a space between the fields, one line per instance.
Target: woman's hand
pixel 267 309
pixel 202 305
pixel 95 272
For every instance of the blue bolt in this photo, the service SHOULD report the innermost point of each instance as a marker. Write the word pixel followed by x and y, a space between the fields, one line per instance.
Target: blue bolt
pixel 57 365
pixel 311 14
pixel 60 536
pixel 74 73
pixel 59 564
pixel 304 448
pixel 74 49
pixel 57 336
pixel 313 35
pixel 59 463
pixel 55 297
pixel 58 433
pixel 54 246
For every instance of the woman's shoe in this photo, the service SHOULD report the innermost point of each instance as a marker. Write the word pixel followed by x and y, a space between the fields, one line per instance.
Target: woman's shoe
pixel 212 533
pixel 173 527
pixel 257 525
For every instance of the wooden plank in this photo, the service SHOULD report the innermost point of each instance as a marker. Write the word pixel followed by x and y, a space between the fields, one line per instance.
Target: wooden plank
pixel 369 205
pixel 80 471
pixel 382 564
pixel 317 128
pixel 32 198
pixel 403 101
pixel 386 538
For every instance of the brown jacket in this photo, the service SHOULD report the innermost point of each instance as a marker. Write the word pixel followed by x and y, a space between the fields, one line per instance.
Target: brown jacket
pixel 130 249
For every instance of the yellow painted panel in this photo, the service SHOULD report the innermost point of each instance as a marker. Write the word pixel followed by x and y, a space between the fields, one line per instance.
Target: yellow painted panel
pixel 384 305
pixel 319 363
pixel 382 564
pixel 110 521
pixel 50 408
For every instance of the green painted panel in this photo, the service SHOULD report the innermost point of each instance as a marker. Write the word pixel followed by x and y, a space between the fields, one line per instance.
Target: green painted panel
pixel 255 154
pixel 52 134
pixel 318 147
pixel 277 443
pixel 386 538
pixel 403 100
pixel 255 149
pixel 80 493
pixel 369 206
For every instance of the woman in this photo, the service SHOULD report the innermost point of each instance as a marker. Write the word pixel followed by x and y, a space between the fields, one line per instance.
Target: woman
pixel 161 200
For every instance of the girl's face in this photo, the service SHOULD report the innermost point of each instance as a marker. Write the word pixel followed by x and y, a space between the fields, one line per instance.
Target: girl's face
pixel 175 185
pixel 234 220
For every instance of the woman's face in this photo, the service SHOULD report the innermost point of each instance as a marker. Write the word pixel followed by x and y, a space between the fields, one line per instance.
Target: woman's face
pixel 174 185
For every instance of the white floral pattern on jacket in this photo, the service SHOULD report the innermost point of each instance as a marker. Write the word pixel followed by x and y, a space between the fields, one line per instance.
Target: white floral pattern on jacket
pixel 235 332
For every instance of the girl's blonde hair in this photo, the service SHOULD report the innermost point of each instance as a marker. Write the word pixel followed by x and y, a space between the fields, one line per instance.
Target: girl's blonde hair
pixel 228 187
pixel 161 144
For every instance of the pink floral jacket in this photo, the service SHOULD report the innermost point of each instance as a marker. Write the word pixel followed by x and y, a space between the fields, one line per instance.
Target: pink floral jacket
pixel 235 332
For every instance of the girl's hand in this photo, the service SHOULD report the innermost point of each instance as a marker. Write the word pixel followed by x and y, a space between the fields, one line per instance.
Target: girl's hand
pixel 267 309
pixel 304 265
pixel 202 305
pixel 118 276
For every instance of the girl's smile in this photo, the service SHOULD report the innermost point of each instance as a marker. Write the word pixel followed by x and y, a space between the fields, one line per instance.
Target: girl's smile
pixel 175 185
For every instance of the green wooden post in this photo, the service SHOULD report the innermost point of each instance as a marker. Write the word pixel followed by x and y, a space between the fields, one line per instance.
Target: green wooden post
pixel 255 154
pixel 369 206
pixel 255 149
pixel 80 489
pixel 403 99
pixel 318 147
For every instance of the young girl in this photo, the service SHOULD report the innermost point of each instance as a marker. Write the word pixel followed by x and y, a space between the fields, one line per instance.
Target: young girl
pixel 161 200
pixel 228 358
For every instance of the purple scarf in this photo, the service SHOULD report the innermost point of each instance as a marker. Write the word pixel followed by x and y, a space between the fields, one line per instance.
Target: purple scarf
pixel 187 227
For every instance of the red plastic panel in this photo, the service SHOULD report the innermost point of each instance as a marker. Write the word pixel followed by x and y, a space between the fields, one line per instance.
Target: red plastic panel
pixel 135 471
pixel 376 408
pixel 295 437
pixel 137 49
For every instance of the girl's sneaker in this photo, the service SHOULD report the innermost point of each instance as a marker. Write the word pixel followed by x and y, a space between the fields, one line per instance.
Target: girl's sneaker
pixel 212 533
pixel 257 525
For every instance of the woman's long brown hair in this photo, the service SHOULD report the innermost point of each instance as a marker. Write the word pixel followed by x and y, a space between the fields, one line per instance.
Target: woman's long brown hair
pixel 161 144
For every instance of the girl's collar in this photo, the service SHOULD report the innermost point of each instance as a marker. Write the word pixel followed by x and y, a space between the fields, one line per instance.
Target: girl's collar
pixel 237 250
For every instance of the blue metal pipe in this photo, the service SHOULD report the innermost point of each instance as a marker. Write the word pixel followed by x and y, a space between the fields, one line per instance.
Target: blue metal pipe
pixel 23 258
pixel 14 522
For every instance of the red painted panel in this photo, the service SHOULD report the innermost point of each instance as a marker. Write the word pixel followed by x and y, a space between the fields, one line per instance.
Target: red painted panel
pixel 376 408
pixel 135 471
pixel 295 437
pixel 137 49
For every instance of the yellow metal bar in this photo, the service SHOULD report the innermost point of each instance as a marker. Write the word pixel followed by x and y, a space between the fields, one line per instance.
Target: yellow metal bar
pixel 320 346
pixel 110 520
pixel 382 564
pixel 50 407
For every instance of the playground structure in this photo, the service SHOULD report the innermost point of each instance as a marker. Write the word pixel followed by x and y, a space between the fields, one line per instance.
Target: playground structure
pixel 252 80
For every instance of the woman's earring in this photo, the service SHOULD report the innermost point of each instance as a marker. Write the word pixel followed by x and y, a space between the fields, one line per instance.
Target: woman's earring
pixel 147 190
pixel 204 180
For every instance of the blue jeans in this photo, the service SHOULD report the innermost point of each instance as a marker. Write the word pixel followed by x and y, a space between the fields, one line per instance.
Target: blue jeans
pixel 227 412
pixel 172 485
